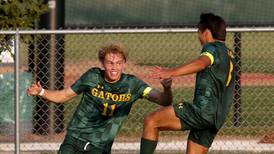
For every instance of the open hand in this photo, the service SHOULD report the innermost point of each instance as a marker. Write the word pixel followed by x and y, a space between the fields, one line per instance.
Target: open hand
pixel 35 89
pixel 160 73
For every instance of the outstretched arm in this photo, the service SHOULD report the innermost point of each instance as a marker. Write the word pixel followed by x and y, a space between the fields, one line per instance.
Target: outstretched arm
pixel 192 67
pixel 162 98
pixel 57 96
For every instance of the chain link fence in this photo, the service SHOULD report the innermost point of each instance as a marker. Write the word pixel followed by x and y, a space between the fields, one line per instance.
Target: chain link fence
pixel 58 58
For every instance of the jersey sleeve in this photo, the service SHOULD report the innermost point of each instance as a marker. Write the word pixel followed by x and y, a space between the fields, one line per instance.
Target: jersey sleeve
pixel 143 88
pixel 209 50
pixel 84 82
pixel 146 92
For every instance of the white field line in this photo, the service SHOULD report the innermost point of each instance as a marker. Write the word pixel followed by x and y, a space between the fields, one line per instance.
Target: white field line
pixel 227 145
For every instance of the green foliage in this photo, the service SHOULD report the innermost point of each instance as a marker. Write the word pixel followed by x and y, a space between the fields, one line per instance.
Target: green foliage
pixel 19 14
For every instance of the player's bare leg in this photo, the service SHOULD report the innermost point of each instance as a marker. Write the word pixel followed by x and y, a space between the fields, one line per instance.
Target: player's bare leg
pixel 194 148
pixel 162 119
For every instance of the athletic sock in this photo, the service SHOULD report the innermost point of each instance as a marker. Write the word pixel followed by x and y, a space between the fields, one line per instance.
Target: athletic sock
pixel 147 146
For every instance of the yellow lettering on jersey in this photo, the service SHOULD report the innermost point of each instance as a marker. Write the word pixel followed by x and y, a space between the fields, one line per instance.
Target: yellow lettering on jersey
pixel 128 97
pixel 94 92
pixel 108 95
pixel 113 106
pixel 105 109
pixel 97 92
pixel 122 97
pixel 101 95
pixel 115 97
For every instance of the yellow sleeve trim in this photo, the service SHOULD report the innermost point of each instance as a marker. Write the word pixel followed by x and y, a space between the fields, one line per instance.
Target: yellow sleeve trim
pixel 209 55
pixel 146 92
pixel 230 73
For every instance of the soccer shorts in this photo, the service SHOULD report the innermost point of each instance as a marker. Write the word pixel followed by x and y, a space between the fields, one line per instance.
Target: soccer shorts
pixel 72 145
pixel 202 131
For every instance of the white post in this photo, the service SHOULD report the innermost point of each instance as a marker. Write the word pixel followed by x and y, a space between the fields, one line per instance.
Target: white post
pixel 17 93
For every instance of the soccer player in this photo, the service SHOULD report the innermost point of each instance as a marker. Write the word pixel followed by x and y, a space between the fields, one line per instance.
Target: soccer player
pixel 212 97
pixel 108 95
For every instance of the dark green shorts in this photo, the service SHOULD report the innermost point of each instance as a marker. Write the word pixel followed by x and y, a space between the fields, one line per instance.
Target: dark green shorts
pixel 72 145
pixel 202 131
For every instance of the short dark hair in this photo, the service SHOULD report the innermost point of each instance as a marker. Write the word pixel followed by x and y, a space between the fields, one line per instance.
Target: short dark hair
pixel 215 24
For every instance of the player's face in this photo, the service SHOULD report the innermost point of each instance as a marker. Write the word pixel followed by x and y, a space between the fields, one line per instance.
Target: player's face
pixel 114 65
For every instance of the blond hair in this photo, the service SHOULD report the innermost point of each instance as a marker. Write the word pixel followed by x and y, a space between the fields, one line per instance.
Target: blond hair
pixel 111 47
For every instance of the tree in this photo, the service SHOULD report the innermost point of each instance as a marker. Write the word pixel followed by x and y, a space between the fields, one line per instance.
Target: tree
pixel 20 14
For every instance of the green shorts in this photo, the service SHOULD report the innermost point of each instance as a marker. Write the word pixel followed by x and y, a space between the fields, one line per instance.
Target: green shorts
pixel 202 131
pixel 72 145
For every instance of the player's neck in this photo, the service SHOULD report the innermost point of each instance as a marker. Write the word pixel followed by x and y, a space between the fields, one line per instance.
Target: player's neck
pixel 220 41
pixel 107 80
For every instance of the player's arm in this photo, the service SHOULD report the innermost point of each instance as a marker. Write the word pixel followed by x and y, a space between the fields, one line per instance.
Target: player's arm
pixel 193 66
pixel 57 96
pixel 163 98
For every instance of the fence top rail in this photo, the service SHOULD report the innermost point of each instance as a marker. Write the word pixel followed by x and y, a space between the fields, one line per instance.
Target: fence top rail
pixel 148 30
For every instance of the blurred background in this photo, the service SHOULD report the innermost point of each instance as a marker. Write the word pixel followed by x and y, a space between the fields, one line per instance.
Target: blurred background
pixel 56 41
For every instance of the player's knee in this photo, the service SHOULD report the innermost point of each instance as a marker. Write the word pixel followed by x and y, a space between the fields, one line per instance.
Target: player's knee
pixel 149 121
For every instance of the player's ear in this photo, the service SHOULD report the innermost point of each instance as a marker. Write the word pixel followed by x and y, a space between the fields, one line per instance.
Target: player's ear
pixel 208 34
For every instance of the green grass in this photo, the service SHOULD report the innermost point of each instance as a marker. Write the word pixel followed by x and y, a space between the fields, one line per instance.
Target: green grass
pixel 146 49
pixel 172 49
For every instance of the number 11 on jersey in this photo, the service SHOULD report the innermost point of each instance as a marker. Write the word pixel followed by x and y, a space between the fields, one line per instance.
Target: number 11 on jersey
pixel 105 110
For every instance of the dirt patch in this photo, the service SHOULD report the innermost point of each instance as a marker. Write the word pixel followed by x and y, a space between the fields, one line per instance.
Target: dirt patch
pixel 269 138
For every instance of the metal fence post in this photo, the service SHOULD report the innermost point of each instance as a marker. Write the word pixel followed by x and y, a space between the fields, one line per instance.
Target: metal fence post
pixel 17 94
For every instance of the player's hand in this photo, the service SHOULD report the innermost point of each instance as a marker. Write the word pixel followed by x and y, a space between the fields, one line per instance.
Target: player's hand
pixel 166 83
pixel 35 89
pixel 160 73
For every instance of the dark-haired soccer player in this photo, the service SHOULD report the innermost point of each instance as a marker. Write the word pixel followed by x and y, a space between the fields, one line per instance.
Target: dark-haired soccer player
pixel 107 98
pixel 213 92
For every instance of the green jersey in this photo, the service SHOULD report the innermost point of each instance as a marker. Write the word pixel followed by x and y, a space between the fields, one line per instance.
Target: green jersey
pixel 104 106
pixel 214 85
